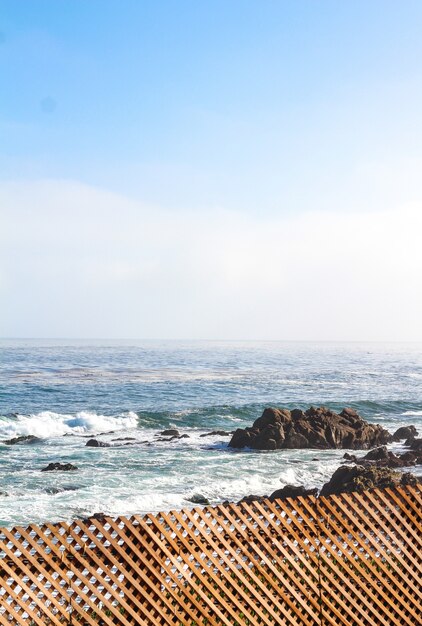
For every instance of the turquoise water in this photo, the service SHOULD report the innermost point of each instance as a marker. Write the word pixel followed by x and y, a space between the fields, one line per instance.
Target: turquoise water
pixel 65 391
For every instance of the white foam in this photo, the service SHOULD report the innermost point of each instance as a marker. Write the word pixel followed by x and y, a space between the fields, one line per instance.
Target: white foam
pixel 412 413
pixel 49 424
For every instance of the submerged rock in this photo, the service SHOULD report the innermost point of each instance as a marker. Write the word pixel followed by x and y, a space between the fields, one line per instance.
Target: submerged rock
pixel 315 428
pixel 170 432
pixel 220 433
pixel 22 439
pixel 59 467
pixel 52 491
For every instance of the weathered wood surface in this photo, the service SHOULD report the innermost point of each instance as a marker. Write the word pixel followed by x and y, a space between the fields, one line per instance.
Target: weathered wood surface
pixel 351 559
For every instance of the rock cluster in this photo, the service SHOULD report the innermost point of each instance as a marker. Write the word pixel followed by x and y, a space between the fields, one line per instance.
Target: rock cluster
pixel 59 467
pixel 382 457
pixel 360 478
pixel 315 428
pixel 22 439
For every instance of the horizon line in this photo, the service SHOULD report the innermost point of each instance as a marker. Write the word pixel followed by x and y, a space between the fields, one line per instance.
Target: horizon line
pixel 253 340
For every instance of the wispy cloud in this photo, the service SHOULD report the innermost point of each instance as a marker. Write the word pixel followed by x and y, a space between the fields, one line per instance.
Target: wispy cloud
pixel 81 261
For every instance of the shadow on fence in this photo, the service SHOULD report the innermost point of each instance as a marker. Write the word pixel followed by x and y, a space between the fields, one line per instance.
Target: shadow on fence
pixel 350 559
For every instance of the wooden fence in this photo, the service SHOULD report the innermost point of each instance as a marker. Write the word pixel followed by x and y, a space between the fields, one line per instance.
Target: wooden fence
pixel 351 559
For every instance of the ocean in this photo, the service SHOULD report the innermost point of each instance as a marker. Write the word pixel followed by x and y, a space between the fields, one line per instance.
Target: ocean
pixel 126 393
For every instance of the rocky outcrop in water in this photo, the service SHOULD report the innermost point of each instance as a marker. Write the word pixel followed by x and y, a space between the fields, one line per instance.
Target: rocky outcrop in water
pixel 59 467
pixel 382 457
pixel 358 478
pixel 94 443
pixel 198 498
pixel 315 428
pixel 292 491
pixel 22 439
pixel 405 432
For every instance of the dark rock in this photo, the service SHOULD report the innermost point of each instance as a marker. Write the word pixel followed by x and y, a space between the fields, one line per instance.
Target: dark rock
pixel 94 443
pixel 52 491
pixel 101 517
pixel 22 439
pixel 198 498
pixel 295 440
pixel 184 436
pixel 241 438
pixel 381 457
pixel 220 433
pixel 416 444
pixel 292 491
pixel 125 439
pixel 170 432
pixel 318 427
pixel 405 432
pixel 59 467
pixel 377 454
pixel 252 498
pixel 271 417
pixel 297 414
pixel 358 478
pixel 349 413
pixel 411 458
pixel 409 479
pixel 349 457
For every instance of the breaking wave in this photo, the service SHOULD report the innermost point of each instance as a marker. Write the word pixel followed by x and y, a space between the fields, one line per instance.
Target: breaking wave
pixel 48 424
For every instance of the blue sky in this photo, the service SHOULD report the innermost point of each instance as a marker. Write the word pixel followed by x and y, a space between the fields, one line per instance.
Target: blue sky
pixel 222 121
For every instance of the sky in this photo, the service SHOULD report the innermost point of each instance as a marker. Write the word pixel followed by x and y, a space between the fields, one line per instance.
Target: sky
pixel 211 170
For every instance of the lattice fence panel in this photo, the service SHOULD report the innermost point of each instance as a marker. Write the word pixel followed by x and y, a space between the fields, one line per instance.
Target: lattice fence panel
pixel 371 557
pixel 351 559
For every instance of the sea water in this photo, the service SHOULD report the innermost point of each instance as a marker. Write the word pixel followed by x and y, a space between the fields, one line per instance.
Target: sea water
pixel 126 392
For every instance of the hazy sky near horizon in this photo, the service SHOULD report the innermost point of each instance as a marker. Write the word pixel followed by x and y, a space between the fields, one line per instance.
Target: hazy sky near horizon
pixel 233 170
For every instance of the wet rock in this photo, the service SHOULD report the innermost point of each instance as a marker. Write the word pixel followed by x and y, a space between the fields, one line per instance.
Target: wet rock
pixel 242 438
pixel 415 444
pixel 125 439
pixel 272 416
pixel 409 479
pixel 94 443
pixel 220 433
pixel 318 427
pixel 59 467
pixel 360 478
pixel 170 432
pixel 252 498
pixel 292 491
pixel 101 517
pixel 198 498
pixel 174 438
pixel 22 439
pixel 405 432
pixel 52 491
pixel 382 457
pixel 350 457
